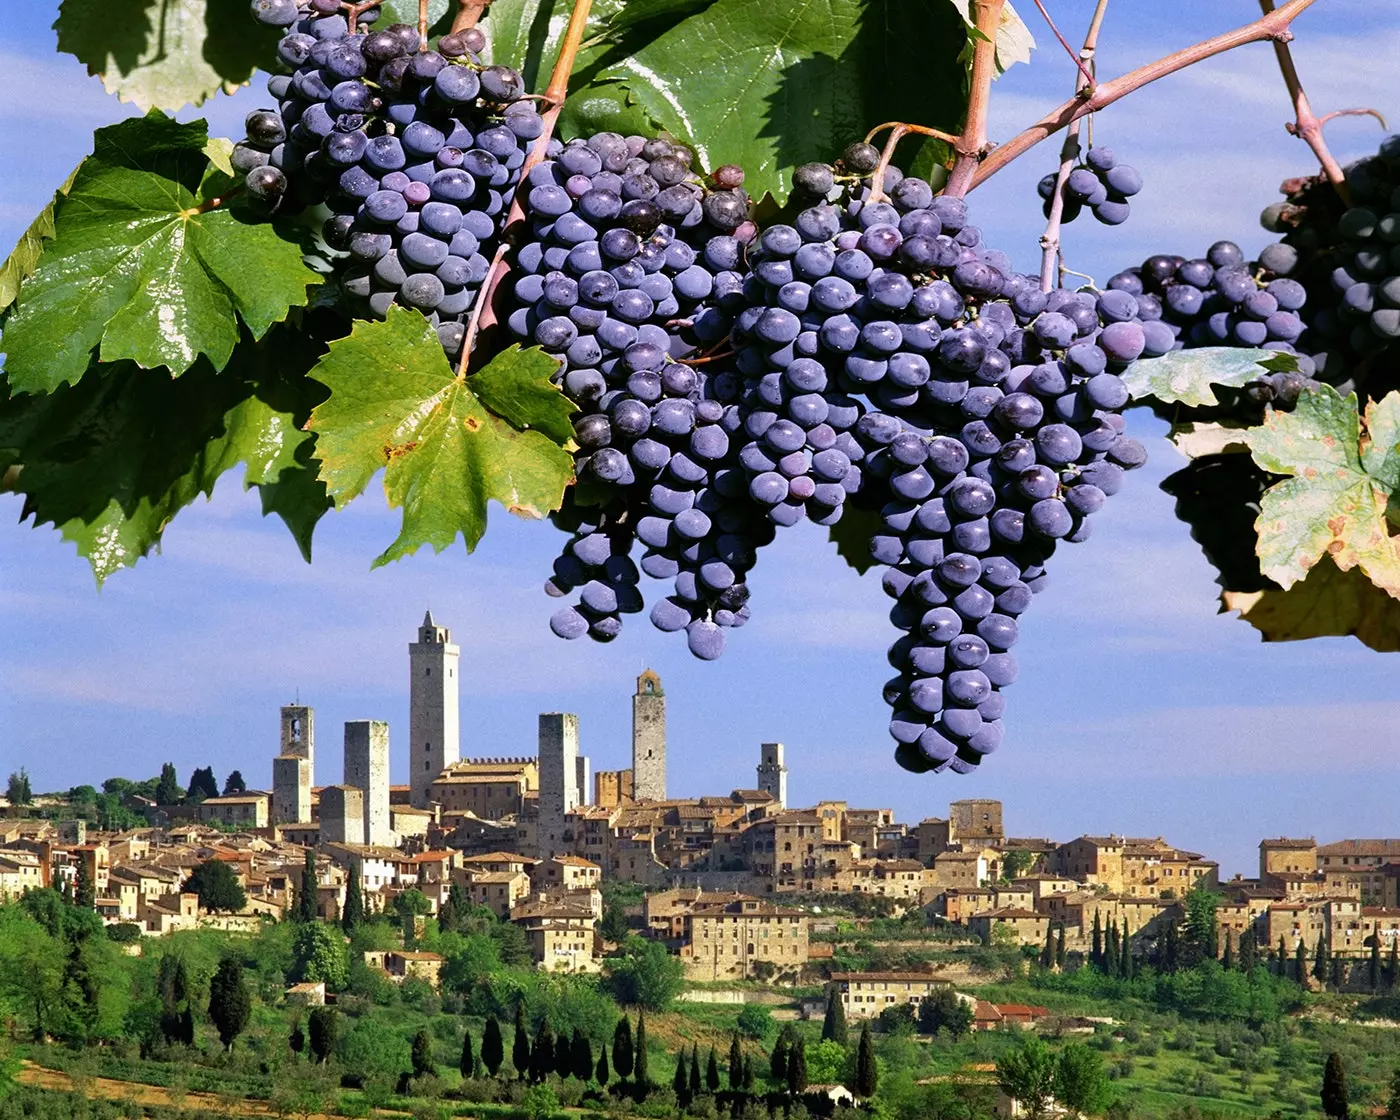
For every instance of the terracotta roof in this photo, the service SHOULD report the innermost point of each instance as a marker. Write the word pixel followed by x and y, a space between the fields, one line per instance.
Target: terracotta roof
pixel 499 857
pixel 1284 843
pixel 1373 848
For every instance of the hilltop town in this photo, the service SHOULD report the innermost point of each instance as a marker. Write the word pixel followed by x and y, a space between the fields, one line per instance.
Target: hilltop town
pixel 733 882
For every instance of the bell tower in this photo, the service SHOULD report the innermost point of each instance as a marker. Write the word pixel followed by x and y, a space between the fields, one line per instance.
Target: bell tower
pixel 649 739
pixel 433 726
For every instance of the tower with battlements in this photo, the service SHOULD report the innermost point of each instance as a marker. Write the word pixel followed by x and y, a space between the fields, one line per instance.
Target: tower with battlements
pixel 367 769
pixel 434 736
pixel 772 774
pixel 649 739
pixel 559 773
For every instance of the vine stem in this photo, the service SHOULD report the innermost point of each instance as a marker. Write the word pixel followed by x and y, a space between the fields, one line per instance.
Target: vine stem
pixel 1274 26
pixel 1083 83
pixel 483 314
pixel 1078 60
pixel 468 13
pixel 1305 124
pixel 422 25
pixel 898 130
pixel 972 143
pixel 354 11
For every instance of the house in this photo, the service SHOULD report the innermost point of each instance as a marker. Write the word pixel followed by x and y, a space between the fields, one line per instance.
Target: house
pixel 239 810
pixel 19 871
pixel 311 993
pixel 403 964
pixel 864 995
pixel 561 933
pixel 1026 926
pixel 742 939
pixel 994 1016
pixel 567 873
pixel 498 890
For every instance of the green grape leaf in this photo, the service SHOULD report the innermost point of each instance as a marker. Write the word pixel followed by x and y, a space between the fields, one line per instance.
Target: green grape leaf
pixel 219 152
pixel 1014 39
pixel 147 264
pixel 1341 478
pixel 772 85
pixel 1327 602
pixel 164 54
pixel 397 405
pixel 1197 438
pixel 851 536
pixel 20 264
pixel 1188 376
pixel 111 459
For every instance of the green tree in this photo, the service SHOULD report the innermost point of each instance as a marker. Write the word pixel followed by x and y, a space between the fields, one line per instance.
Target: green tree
pixel 542 1053
pixel 778 1059
pixel 736 1062
pixel 712 1072
pixel 1322 960
pixel 203 786
pixel 581 1053
pixel 679 1079
pixel 1249 951
pixel 834 1025
pixel 1096 950
pixel 1336 1103
pixel 372 1052
pixel 622 1048
pixel 1026 1073
pixel 1125 963
pixel 323 1030
pixel 867 1069
pixel 696 1083
pixel 168 791
pixel 1080 1081
pixel 1227 957
pixel 1199 939
pixel 639 1052
pixel 296 1038
pixel 1047 951
pixel 1112 956
pixel 601 1073
pixel 520 1050
pixel 319 953
pixel 539 1102
pixel 754 1021
pixel 493 1051
pixel 353 912
pixel 1374 965
pixel 84 892
pixel 1392 1108
pixel 422 1054
pixel 646 974
pixel 563 1055
pixel 304 903
pixel 467 1065
pixel 32 980
pixel 797 1068
pixel 1060 948
pixel 234 783
pixel 175 991
pixel 1016 863
pixel 1392 968
pixel 409 907
pixel 614 925
pixel 18 791
pixel 1300 962
pixel 218 887
pixel 230 1004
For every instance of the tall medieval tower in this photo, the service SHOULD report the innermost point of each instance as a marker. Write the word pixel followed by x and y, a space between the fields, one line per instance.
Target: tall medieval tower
pixel 649 739
pixel 434 741
pixel 559 774
pixel 292 769
pixel 772 773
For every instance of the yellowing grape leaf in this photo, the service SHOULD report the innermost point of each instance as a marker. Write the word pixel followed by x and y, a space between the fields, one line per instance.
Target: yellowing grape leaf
pixel 447 444
pixel 1342 477
pixel 1326 603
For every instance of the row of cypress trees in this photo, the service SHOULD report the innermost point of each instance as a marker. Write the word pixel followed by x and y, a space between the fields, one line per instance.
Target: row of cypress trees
pixel 567 1055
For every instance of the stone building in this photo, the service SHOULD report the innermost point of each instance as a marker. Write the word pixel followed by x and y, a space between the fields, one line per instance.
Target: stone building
pixel 612 788
pixel 772 773
pixel 561 933
pixel 489 788
pixel 742 939
pixel 367 768
pixel 342 815
pixel 1359 865
pixel 241 810
pixel 975 820
pixel 559 792
pixel 864 995
pixel 434 736
pixel 649 739
pixel 1284 856
pixel 293 770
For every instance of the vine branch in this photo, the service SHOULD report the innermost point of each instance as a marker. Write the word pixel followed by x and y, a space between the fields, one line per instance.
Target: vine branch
pixel 484 314
pixel 1069 151
pixel 1078 60
pixel 468 13
pixel 972 143
pixel 1274 26
pixel 898 130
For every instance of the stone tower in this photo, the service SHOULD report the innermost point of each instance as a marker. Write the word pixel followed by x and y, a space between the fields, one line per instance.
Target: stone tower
pixel 434 738
pixel 649 739
pixel 559 792
pixel 342 815
pixel 772 774
pixel 293 768
pixel 367 769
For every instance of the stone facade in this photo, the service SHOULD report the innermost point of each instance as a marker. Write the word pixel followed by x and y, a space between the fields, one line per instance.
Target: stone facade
pixel 367 768
pixel 613 787
pixel 434 735
pixel 489 788
pixel 772 774
pixel 244 810
pixel 649 739
pixel 342 815
pixel 975 819
pixel 741 939
pixel 291 789
pixel 299 734
pixel 864 995
pixel 559 792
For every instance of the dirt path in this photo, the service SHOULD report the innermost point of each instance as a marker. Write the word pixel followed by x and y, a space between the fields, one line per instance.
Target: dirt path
pixel 141 1093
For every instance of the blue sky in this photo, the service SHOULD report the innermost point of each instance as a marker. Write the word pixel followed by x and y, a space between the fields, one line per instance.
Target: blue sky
pixel 1139 709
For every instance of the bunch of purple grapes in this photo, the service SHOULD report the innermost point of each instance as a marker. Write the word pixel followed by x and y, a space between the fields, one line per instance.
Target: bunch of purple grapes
pixel 1100 182
pixel 417 153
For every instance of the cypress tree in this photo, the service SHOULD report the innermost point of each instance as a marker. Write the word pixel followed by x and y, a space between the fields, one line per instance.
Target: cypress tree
pixel 622 1048
pixel 679 1079
pixel 1171 949
pixel 353 912
pixel 423 1054
pixel 695 1082
pixel 84 893
pixel 797 1068
pixel 778 1061
pixel 1096 951
pixel 867 1071
pixel 468 1063
pixel 1060 948
pixel 305 908
pixel 1392 969
pixel 1300 963
pixel 229 1002
pixel 736 1063
pixel 564 1055
pixel 493 1051
pixel 1375 969
pixel 1282 957
pixel 520 1051
pixel 834 1025
pixel 168 786
pixel 1111 958
pixel 1125 965
pixel 583 1055
pixel 712 1072
pixel 639 1052
pixel 1335 1098
pixel 1047 951
pixel 1227 959
pixel 1249 952
pixel 297 1038
pixel 1322 966
pixel 600 1071
pixel 749 1078
pixel 542 1053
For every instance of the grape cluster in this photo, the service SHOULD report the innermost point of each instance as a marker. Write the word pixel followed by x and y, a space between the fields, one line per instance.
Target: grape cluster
pixel 417 153
pixel 1100 182
pixel 1222 299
